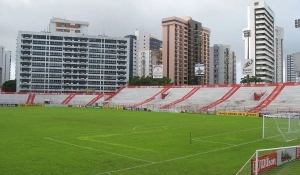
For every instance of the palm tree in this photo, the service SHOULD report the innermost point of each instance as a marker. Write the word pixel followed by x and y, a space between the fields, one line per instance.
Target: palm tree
pixel 245 80
pixel 255 79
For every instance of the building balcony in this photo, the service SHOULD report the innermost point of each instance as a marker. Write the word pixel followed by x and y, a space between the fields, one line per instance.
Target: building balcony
pixel 264 73
pixel 262 58
pixel 265 43
pixel 265 52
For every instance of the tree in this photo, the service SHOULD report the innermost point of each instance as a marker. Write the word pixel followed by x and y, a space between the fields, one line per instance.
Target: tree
pixel 252 79
pixel 149 81
pixel 245 80
pixel 255 79
pixel 9 86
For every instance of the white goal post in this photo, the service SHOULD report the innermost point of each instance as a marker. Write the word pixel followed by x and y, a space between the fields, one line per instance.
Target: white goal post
pixel 281 127
pixel 273 161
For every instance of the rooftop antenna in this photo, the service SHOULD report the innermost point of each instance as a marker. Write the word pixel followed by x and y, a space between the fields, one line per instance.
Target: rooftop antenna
pixel 103 32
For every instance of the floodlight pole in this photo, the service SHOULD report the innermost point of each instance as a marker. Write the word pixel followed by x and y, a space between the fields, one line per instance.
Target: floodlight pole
pixel 247 34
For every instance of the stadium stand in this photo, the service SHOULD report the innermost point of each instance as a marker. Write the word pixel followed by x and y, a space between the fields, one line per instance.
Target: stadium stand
pixel 242 99
pixel 131 96
pixel 30 99
pixel 187 96
pixel 161 93
pixel 111 96
pixel 173 95
pixel 54 98
pixel 288 100
pixel 13 98
pixel 268 99
pixel 282 97
pixel 68 99
pixel 225 97
pixel 95 99
pixel 82 99
pixel 203 97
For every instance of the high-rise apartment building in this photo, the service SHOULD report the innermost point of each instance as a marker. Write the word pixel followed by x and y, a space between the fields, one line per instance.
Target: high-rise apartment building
pixel 155 44
pixel 5 63
pixel 133 55
pixel 145 51
pixel 156 51
pixel 6 66
pixel 144 62
pixel 175 53
pixel 259 40
pixel 1 63
pixel 68 26
pixel 292 69
pixel 70 62
pixel 185 44
pixel 205 57
pixel 222 64
pixel 279 36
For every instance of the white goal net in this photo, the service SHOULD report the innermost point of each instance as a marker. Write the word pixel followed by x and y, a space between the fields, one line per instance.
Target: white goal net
pixel 273 161
pixel 281 127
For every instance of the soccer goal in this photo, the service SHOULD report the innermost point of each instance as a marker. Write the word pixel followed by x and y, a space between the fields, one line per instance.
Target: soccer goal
pixel 273 161
pixel 281 127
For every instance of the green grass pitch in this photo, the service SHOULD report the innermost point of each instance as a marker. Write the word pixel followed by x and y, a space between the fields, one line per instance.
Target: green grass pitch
pixel 84 141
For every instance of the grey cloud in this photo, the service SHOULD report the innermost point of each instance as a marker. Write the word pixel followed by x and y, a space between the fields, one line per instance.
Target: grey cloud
pixel 226 19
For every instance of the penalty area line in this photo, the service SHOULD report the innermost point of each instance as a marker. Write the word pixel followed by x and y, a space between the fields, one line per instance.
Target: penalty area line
pixel 93 149
pixel 226 133
pixel 197 140
pixel 179 158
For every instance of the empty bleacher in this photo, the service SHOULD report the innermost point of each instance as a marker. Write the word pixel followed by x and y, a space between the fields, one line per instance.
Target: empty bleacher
pixel 173 95
pixel 203 97
pixel 81 99
pixel 288 100
pixel 13 98
pixel 131 96
pixel 54 98
pixel 242 100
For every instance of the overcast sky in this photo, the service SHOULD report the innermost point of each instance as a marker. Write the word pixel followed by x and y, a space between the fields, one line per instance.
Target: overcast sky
pixel 226 19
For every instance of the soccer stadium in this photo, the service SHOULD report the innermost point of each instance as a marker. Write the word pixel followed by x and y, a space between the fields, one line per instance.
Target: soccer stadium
pixel 213 129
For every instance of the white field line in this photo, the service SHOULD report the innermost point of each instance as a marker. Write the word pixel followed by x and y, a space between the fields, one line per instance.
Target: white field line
pixel 213 142
pixel 165 124
pixel 130 130
pixel 124 169
pixel 178 158
pixel 175 124
pixel 93 149
pixel 226 133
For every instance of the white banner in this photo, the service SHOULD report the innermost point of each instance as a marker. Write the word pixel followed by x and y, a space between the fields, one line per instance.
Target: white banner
pixel 157 71
pixel 199 69
pixel 286 155
pixel 248 66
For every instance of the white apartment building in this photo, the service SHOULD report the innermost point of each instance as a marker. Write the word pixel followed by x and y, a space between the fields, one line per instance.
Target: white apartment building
pixel 5 63
pixel 261 47
pixel 1 63
pixel 133 55
pixel 143 65
pixel 68 26
pixel 293 67
pixel 222 65
pixel 6 66
pixel 70 62
pixel 279 36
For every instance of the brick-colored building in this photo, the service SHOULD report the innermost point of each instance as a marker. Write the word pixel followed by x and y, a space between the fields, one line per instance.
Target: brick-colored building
pixel 185 43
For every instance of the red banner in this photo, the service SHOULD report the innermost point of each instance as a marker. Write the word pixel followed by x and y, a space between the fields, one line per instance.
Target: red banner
pixel 265 163
pixel 298 152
